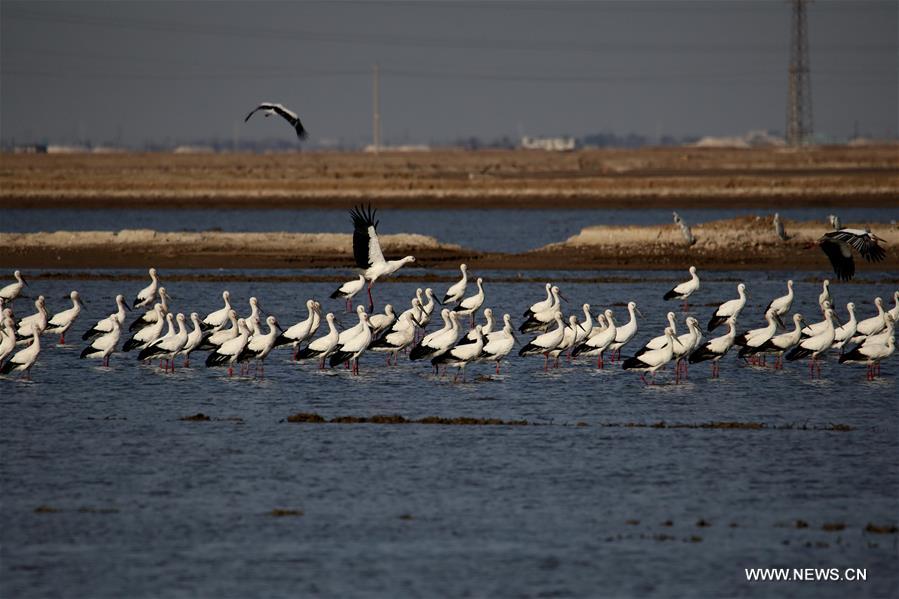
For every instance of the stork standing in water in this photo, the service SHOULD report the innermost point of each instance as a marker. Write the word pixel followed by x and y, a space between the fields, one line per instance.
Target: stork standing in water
pixel 838 246
pixel 322 347
pixel 354 347
pixel 872 353
pixel 815 346
pixel 12 291
pixel 498 344
pixel 780 344
pixel 625 332
pixel 781 305
pixel 302 330
pixel 25 359
pixel 349 290
pixel 686 343
pixel 367 250
pixel 685 289
pixel 654 359
pixel 715 349
pixel 825 299
pixel 194 338
pixel 457 290
pixel 470 305
pixel 729 309
pixel 290 116
pixel 216 320
pixel 545 343
pixel 147 295
pixel 460 355
pixel 61 322
pixel 105 325
pixel 599 339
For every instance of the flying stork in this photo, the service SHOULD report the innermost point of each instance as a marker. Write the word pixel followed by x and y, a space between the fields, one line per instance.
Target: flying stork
pixel 838 246
pixel 288 115
pixel 367 249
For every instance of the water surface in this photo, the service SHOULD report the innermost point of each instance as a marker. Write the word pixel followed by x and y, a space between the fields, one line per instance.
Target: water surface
pixel 149 505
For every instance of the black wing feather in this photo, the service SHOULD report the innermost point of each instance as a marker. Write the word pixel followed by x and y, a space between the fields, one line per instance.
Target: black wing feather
pixel 843 266
pixel 363 218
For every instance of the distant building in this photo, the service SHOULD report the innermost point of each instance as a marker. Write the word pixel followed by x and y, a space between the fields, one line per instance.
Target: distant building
pixel 751 139
pixel 399 148
pixel 32 149
pixel 550 144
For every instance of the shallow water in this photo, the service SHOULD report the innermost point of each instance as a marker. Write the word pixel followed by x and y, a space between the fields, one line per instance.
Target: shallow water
pixel 149 505
pixel 522 230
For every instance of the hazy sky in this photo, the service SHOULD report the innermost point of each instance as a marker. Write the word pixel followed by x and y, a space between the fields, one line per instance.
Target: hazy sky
pixel 176 71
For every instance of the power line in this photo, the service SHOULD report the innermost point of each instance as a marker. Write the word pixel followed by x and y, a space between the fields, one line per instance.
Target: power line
pixel 456 43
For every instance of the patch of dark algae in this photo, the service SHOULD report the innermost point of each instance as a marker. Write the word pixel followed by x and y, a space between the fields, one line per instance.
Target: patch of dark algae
pixel 285 513
pixel 311 417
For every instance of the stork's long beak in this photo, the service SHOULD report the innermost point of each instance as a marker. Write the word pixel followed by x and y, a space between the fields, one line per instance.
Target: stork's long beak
pixel 637 310
pixel 127 307
pixel 562 296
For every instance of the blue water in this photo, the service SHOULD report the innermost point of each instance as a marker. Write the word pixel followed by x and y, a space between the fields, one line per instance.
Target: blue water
pixel 486 230
pixel 148 505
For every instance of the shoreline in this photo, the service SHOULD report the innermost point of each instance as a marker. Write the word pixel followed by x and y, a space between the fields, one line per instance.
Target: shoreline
pixel 741 243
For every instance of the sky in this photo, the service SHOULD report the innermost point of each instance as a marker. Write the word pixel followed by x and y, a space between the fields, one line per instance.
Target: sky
pixel 165 72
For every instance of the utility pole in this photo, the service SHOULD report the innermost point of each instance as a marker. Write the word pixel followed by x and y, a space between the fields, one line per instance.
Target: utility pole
pixel 376 109
pixel 799 102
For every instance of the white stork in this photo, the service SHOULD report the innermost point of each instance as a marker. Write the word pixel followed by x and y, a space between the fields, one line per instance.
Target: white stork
pixel 461 355
pixel 715 349
pixel 838 246
pixel 322 347
pixel 228 352
pixel 457 290
pixel 12 291
pixel 105 325
pixel 25 358
pixel 781 305
pixel 354 347
pixel 653 359
pixel 216 320
pixel 147 295
pixel 367 249
pixel 349 290
pixel 498 344
pixel 729 309
pixel 872 353
pixel 291 117
pixel 685 289
pixel 62 321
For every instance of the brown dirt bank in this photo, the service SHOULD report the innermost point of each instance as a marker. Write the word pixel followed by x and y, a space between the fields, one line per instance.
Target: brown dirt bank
pixel 655 177
pixel 745 243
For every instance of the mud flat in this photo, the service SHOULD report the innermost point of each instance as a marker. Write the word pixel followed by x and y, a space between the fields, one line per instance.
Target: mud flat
pixel 654 177
pixel 745 243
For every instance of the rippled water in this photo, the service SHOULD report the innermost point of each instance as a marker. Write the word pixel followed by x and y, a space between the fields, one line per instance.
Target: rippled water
pixel 477 229
pixel 149 505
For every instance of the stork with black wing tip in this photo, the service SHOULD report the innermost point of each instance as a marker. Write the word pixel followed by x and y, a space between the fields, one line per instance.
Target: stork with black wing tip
pixel 367 249
pixel 291 117
pixel 838 246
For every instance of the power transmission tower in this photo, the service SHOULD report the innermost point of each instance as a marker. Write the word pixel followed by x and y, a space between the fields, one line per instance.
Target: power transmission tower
pixel 799 103
pixel 376 108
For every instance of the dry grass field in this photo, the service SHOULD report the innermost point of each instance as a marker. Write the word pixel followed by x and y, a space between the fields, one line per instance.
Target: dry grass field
pixel 658 177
